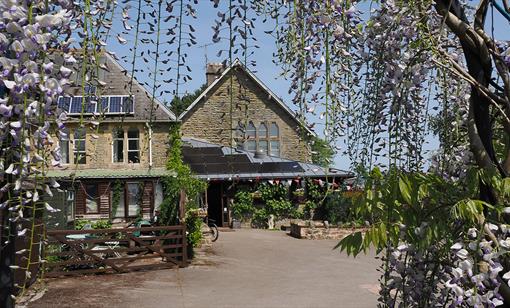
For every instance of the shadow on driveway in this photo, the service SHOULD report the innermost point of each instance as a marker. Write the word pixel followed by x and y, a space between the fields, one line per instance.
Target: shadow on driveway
pixel 247 268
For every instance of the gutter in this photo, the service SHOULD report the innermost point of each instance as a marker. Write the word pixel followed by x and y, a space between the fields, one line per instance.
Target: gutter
pixel 150 144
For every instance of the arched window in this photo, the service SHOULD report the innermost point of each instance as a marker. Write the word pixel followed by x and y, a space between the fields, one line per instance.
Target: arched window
pixel 251 138
pixel 274 140
pixel 263 142
pixel 133 137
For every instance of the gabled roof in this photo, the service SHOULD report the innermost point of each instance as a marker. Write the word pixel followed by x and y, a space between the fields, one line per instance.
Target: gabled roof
pixel 215 162
pixel 258 82
pixel 161 106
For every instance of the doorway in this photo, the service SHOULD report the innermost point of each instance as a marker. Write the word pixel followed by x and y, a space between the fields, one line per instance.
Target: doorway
pixel 215 203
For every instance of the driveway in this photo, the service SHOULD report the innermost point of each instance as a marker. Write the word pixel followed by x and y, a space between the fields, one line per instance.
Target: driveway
pixel 246 268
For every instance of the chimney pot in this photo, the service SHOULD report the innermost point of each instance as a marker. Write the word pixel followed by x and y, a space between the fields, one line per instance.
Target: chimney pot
pixel 213 72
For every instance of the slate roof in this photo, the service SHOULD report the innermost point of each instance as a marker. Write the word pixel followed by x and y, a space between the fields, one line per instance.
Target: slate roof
pixel 211 161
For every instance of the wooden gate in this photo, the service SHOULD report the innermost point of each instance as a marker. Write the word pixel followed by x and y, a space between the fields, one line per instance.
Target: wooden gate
pixel 77 252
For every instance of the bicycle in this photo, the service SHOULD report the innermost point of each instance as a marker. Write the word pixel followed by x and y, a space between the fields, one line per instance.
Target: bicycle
pixel 212 229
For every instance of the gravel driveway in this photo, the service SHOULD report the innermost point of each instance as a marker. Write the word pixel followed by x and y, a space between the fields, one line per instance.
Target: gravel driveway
pixel 246 268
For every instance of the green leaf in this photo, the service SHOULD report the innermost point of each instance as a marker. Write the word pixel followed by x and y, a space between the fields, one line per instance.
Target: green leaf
pixel 405 190
pixel 505 187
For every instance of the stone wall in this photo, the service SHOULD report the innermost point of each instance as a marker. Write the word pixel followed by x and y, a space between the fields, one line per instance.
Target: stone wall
pixel 318 231
pixel 99 146
pixel 210 119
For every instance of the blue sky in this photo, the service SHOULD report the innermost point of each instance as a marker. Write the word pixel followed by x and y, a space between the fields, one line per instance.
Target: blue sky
pixel 265 69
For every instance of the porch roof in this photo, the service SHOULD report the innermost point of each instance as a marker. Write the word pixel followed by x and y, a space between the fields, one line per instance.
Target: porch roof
pixel 215 162
pixel 109 173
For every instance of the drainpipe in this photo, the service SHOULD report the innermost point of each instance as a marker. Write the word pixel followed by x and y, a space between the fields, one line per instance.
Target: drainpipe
pixel 150 144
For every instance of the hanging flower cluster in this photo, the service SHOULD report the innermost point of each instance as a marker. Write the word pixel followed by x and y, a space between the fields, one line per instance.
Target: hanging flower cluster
pixel 478 274
pixel 37 60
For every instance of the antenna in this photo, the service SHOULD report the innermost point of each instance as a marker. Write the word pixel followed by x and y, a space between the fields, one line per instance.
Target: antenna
pixel 205 53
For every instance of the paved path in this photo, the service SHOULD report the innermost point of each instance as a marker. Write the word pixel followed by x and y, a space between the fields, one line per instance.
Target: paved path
pixel 249 268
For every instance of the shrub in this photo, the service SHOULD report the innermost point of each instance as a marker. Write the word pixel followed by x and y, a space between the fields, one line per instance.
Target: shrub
pixel 259 219
pixel 243 205
pixel 336 209
pixel 280 208
pixel 272 192
pixel 98 224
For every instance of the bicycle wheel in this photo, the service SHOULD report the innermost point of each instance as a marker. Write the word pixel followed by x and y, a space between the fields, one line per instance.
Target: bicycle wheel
pixel 214 232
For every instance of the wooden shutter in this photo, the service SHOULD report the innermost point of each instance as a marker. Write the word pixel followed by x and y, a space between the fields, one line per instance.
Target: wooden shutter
pixel 147 197
pixel 80 200
pixel 104 199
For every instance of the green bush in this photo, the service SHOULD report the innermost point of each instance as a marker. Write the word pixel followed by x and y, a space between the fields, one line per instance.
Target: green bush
pixel 309 207
pixel 243 205
pixel 98 224
pixel 280 208
pixel 259 219
pixel 336 209
pixel 272 192
pixel 193 228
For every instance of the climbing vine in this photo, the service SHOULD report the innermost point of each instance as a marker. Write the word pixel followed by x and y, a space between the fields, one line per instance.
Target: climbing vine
pixel 117 191
pixel 182 179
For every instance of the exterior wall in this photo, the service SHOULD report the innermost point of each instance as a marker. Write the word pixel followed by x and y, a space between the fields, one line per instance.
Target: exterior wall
pixel 210 118
pixel 99 146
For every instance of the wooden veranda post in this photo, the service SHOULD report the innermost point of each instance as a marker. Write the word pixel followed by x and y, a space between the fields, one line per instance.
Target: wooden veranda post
pixel 182 219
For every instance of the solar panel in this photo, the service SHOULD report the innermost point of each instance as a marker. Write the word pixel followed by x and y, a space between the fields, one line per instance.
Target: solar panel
pixel 103 104
pixel 127 104
pixel 115 104
pixel 64 102
pixel 76 104
pixel 90 105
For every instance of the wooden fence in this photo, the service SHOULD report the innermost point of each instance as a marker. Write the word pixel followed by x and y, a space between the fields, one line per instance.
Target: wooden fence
pixel 77 252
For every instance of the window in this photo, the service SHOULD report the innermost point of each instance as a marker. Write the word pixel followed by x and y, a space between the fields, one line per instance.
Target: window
pixel 118 145
pixel 262 133
pixel 79 146
pixel 64 146
pixel 91 198
pixel 274 136
pixel 133 145
pixel 133 199
pixel 251 138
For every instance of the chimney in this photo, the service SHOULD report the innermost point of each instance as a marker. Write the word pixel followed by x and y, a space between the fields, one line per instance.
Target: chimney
pixel 213 72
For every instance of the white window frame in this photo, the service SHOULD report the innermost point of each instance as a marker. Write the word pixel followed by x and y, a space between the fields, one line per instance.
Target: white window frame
pixel 123 145
pixel 138 150
pixel 84 152
pixel 97 102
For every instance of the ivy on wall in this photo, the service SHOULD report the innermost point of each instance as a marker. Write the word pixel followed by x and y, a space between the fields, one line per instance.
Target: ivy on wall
pixel 172 186
pixel 117 190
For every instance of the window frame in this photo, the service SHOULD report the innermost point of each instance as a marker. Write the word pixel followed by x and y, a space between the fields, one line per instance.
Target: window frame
pixel 76 151
pixel 97 198
pixel 138 145
pixel 116 139
pixel 271 138
pixel 64 143
pixel 126 198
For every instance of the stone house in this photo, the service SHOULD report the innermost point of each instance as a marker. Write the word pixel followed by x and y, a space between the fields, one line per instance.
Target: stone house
pixel 117 142
pixel 252 118
pixel 114 149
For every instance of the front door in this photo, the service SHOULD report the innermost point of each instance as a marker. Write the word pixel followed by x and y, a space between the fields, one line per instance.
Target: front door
pixel 214 203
